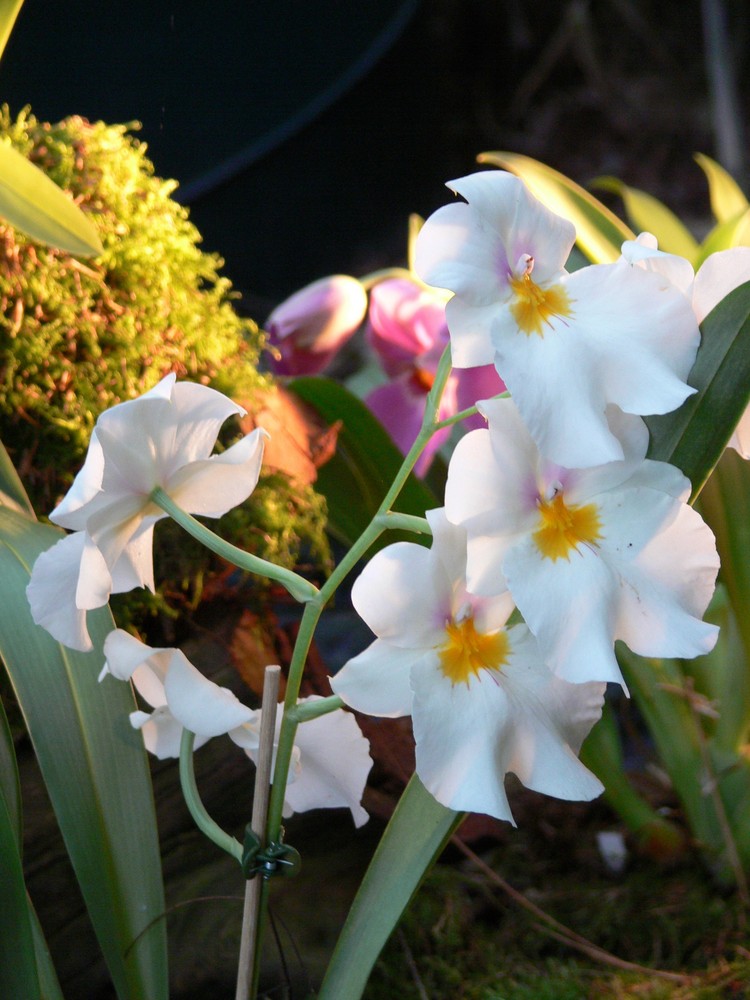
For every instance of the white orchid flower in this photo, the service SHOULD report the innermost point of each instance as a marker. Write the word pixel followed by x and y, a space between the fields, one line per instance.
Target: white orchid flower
pixel 589 555
pixel 162 439
pixel 330 759
pixel 181 697
pixel 482 701
pixel 718 275
pixel 566 345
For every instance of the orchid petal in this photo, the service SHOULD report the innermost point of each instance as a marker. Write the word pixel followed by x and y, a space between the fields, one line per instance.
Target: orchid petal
pixel 568 605
pixel 666 590
pixel 162 733
pixel 407 321
pixel 215 485
pixel 52 588
pixel 400 409
pixel 719 274
pixel 335 762
pixel 384 595
pixel 377 681
pixel 526 225
pixel 520 719
pixel 640 366
pixel 197 703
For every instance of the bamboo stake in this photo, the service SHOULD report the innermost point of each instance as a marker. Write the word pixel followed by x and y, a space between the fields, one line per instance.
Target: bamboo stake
pixel 254 886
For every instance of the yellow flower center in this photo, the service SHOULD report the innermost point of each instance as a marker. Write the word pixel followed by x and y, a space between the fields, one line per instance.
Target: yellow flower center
pixel 467 651
pixel 533 306
pixel 564 528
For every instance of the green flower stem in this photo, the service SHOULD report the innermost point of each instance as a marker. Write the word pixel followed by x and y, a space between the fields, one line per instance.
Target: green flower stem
pixel 314 709
pixel 193 800
pixel 469 412
pixel 394 521
pixel 314 607
pixel 300 589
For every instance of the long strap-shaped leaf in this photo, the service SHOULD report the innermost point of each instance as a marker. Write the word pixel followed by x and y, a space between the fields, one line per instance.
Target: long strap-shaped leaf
pixel 414 837
pixel 12 491
pixel 18 968
pixel 94 767
pixel 8 13
pixel 694 437
pixel 33 203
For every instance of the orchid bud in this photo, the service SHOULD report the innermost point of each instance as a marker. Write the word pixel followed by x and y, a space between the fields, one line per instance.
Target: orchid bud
pixel 310 327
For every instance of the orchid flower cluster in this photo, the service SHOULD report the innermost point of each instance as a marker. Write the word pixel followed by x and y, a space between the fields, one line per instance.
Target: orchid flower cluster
pixel 558 535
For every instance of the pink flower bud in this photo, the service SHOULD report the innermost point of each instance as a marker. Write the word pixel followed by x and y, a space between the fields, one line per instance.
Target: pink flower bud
pixel 313 324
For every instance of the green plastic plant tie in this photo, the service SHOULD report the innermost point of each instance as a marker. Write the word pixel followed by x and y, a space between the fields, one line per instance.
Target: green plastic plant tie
pixel 300 589
pixel 276 859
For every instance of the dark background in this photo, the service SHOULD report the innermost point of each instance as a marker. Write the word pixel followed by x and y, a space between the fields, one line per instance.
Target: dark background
pixel 304 132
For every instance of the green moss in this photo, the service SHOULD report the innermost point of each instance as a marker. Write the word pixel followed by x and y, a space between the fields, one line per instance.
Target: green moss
pixel 461 938
pixel 78 337
pixel 75 338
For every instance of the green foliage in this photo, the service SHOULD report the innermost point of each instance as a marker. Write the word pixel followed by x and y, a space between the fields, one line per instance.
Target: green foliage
pixel 76 339
pixel 415 836
pixel 94 766
pixel 358 476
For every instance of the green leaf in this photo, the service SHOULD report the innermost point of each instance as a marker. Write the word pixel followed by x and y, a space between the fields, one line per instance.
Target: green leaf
pixel 12 492
pixel 8 13
pixel 694 436
pixel 33 203
pixel 18 972
pixel 10 787
pixel 17 976
pixel 734 232
pixel 48 981
pixel 657 687
pixel 602 754
pixel 725 506
pixel 648 214
pixel 415 836
pixel 727 198
pixel 95 769
pixel 599 233
pixel 359 475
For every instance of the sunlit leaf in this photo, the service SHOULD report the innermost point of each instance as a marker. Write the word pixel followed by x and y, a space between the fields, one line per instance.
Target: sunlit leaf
pixel 358 476
pixel 94 766
pixel 12 492
pixel 33 203
pixel 600 234
pixel 8 13
pixel 648 214
pixel 415 836
pixel 728 200
pixel 694 436
pixel 732 233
